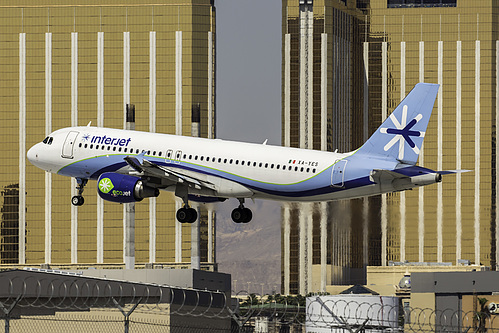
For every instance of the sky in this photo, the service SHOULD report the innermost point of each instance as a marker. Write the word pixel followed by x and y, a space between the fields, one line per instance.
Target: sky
pixel 248 108
pixel 248 102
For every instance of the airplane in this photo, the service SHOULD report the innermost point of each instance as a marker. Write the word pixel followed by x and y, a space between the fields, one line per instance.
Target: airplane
pixel 132 165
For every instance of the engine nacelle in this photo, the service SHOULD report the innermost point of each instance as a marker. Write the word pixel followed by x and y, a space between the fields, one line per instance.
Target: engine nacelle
pixel 120 188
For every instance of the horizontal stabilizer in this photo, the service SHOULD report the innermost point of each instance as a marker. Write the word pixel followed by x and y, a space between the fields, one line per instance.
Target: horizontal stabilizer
pixel 449 172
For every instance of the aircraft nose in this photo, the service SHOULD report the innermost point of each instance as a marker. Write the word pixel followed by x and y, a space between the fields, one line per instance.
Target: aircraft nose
pixel 32 154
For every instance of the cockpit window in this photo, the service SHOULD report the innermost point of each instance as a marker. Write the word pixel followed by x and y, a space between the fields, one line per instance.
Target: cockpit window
pixel 48 140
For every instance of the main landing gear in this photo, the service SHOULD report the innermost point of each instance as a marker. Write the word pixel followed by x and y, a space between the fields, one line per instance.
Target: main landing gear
pixel 78 200
pixel 241 214
pixel 185 214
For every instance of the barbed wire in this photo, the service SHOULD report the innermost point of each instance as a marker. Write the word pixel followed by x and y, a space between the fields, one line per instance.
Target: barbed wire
pixel 24 297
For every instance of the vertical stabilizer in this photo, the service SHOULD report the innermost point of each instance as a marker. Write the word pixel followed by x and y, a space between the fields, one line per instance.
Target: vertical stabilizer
pixel 401 135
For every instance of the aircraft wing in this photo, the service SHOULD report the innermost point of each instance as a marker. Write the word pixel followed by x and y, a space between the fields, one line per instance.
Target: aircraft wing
pixel 162 176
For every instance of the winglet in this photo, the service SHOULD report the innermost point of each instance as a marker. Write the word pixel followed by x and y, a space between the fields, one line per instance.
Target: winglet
pixel 401 135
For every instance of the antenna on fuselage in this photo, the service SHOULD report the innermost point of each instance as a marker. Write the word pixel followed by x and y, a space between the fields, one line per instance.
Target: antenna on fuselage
pixel 89 123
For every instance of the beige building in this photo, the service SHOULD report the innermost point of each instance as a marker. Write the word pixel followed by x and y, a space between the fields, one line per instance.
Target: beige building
pixel 70 64
pixel 455 44
pixel 346 65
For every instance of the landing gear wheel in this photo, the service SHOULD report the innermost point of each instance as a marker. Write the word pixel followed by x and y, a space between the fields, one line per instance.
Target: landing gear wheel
pixel 77 200
pixel 187 215
pixel 241 215
pixel 248 214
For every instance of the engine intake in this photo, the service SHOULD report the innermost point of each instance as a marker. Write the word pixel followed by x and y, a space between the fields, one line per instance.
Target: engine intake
pixel 120 188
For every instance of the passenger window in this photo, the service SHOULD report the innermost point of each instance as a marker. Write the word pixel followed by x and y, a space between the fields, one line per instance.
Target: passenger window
pixel 159 154
pixel 86 145
pixel 91 146
pixel 260 165
pixel 219 160
pixel 242 162
pixel 225 160
pixel 278 166
pixel 114 148
pixel 79 144
pixel 230 162
pixel 119 149
pixel 266 165
pixel 202 157
pixel 272 166
pixel 154 153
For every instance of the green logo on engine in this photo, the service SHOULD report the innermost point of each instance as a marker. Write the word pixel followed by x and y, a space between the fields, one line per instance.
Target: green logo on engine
pixel 105 185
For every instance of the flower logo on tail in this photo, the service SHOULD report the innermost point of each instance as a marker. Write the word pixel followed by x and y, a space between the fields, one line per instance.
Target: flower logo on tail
pixel 403 133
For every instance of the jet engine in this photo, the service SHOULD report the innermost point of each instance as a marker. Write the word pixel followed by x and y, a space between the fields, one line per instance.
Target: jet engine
pixel 120 188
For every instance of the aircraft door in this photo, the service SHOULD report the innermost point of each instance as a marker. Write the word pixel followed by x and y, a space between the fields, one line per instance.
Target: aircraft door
pixel 178 156
pixel 338 173
pixel 169 156
pixel 67 147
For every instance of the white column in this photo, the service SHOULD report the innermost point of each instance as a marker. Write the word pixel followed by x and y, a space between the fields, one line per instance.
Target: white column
pixel 477 152
pixel 306 78
pixel 211 71
pixel 324 78
pixel 440 242
pixel 178 82
pixel 365 46
pixel 100 123
pixel 402 194
pixel 324 254
pixel 152 128
pixel 22 148
pixel 384 113
pixel 458 151
pixel 128 208
pixel 384 80
pixel 304 218
pixel 497 155
pixel 48 130
pixel 421 162
pixel 211 239
pixel 287 90
pixel 178 130
pixel 74 122
pixel 286 215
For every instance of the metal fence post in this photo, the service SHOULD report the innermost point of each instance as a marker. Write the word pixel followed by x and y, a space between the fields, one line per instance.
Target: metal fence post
pixel 6 311
pixel 125 314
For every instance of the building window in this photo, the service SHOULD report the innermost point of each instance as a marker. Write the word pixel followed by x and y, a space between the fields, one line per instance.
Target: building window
pixel 421 3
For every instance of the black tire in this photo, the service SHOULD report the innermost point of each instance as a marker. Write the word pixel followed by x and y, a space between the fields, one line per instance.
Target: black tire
pixel 248 215
pixel 77 200
pixel 193 214
pixel 238 215
pixel 182 215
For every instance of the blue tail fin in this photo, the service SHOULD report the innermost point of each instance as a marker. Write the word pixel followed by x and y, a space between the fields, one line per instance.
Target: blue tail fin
pixel 401 135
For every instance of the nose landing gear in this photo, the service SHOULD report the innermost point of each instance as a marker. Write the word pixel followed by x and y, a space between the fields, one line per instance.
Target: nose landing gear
pixel 241 214
pixel 78 200
pixel 185 214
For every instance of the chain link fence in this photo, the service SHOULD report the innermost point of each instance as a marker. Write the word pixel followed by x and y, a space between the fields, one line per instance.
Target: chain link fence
pixel 74 304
